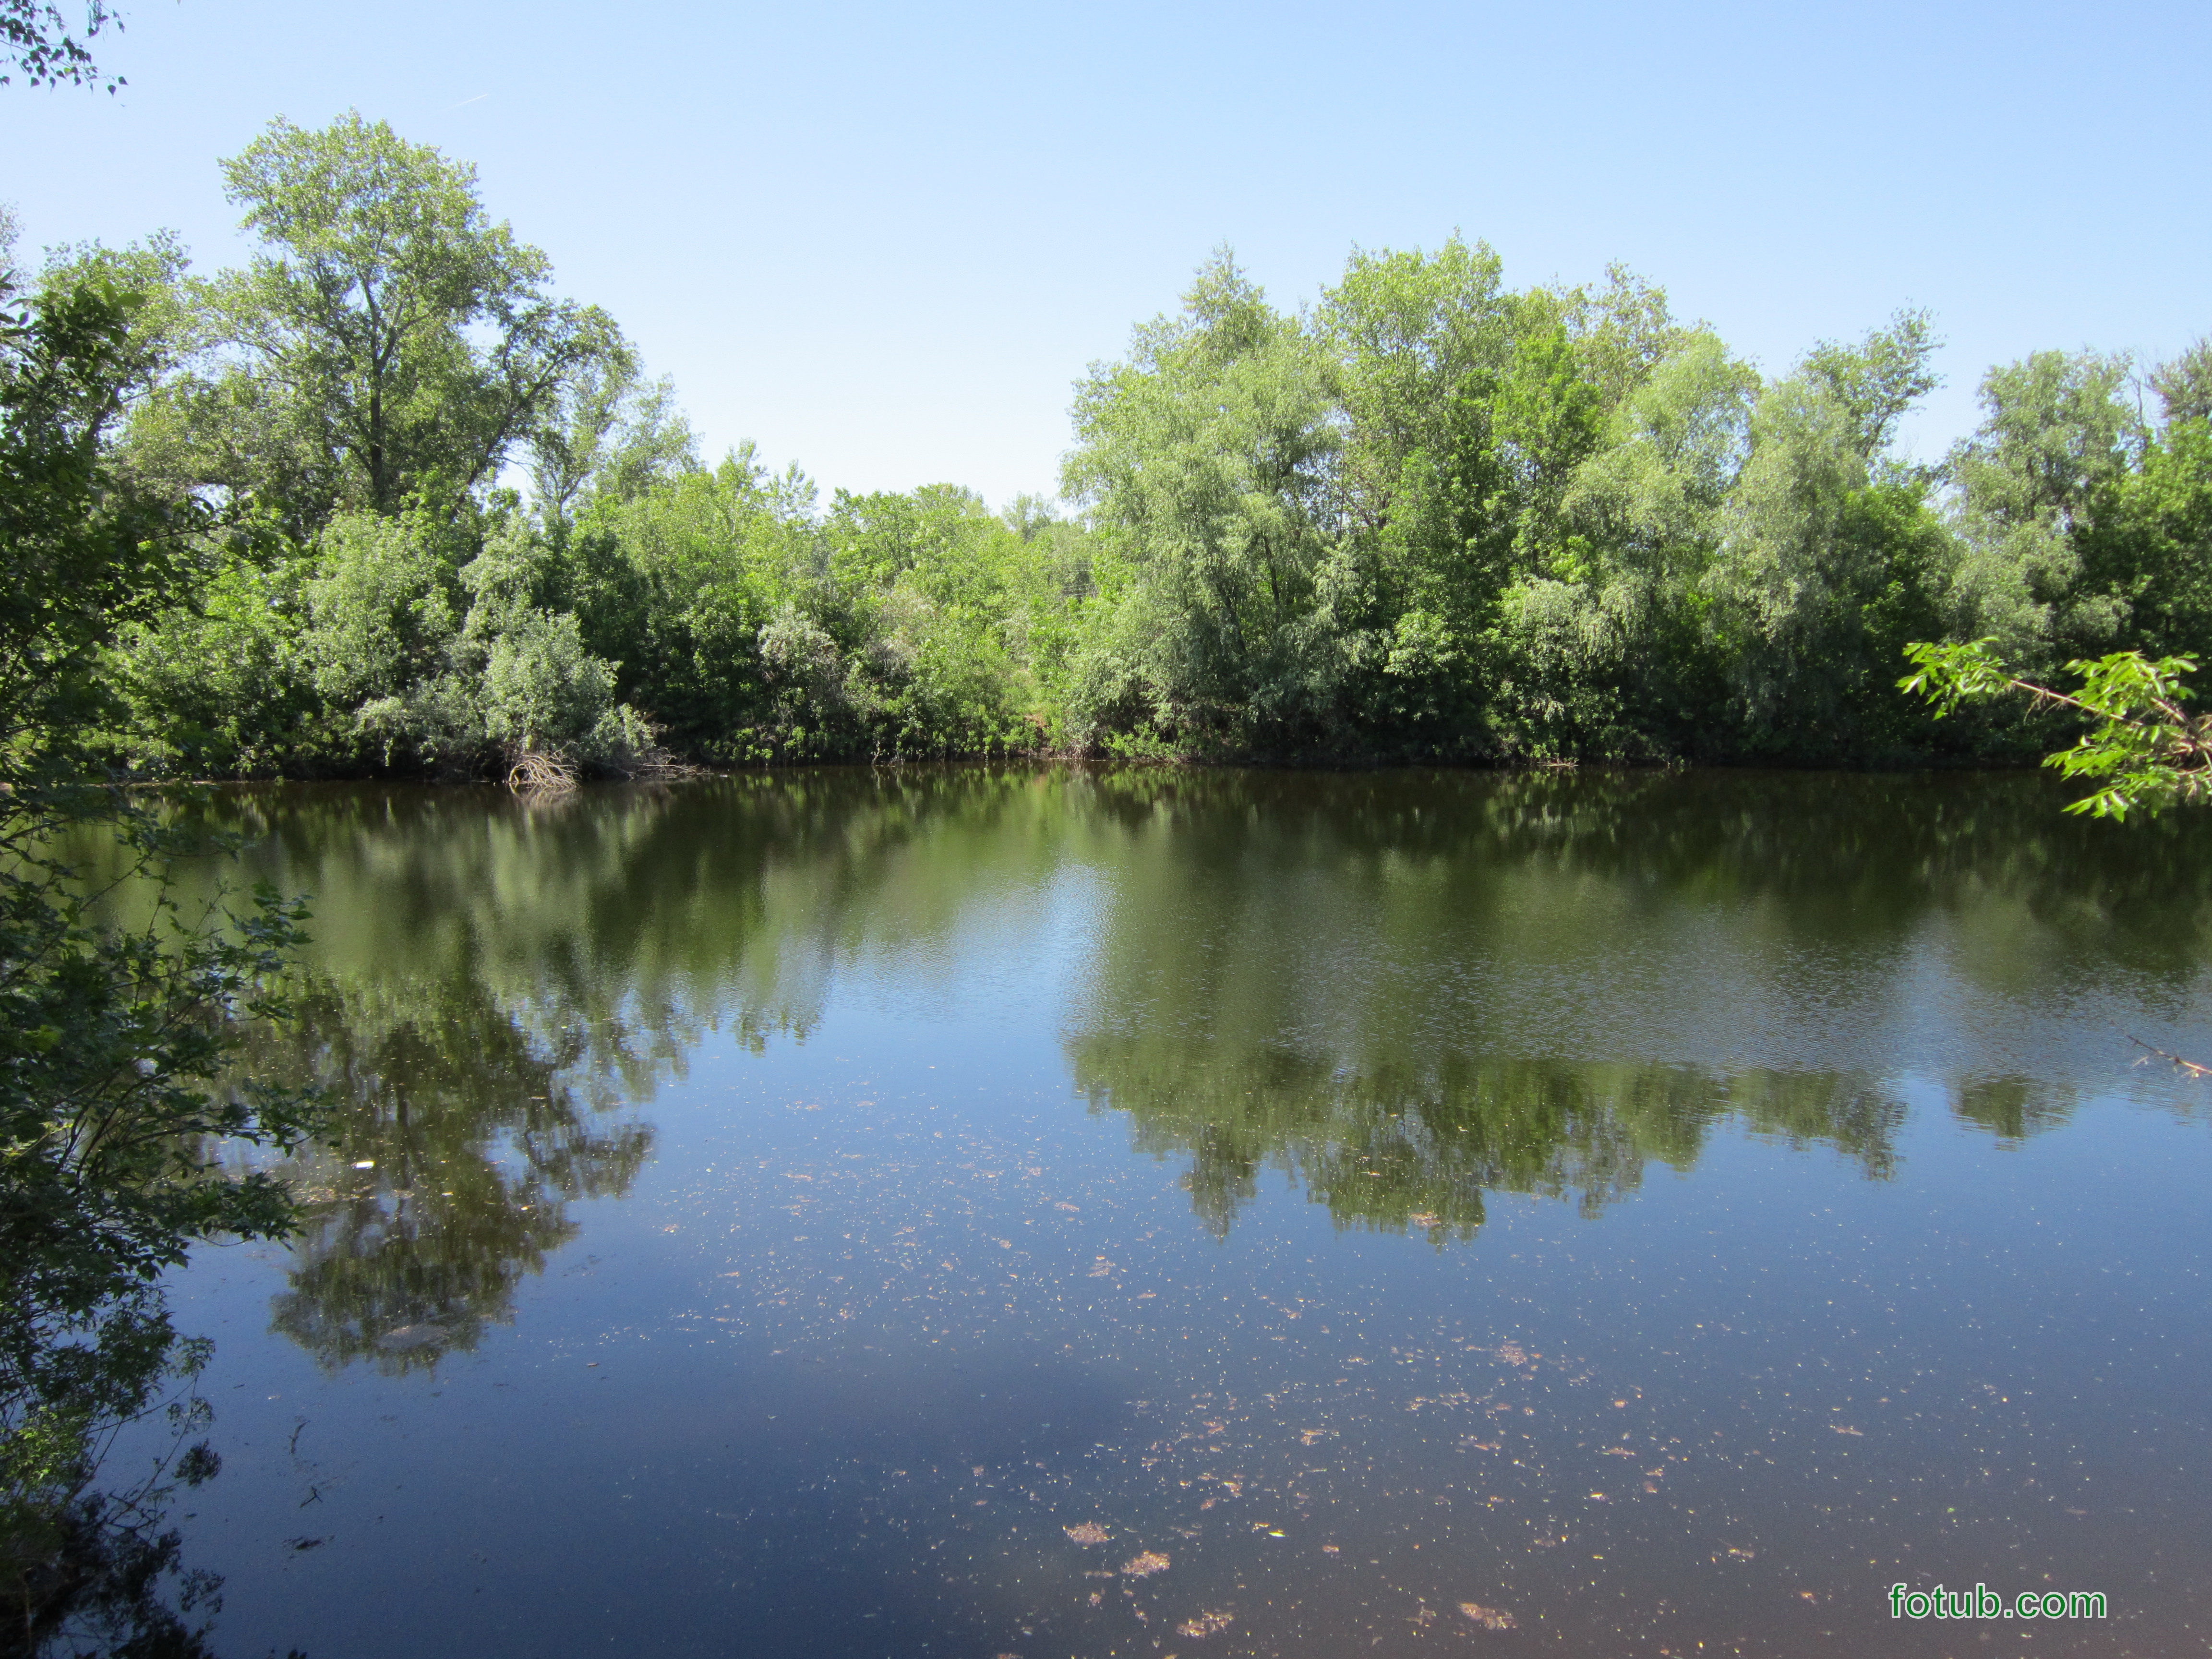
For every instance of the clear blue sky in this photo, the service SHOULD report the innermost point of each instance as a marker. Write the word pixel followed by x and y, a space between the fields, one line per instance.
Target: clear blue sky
pixel 884 240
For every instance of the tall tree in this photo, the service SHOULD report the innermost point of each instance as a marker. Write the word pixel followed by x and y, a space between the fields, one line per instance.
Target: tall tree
pixel 392 341
pixel 2030 488
pixel 610 431
pixel 1831 558
pixel 1210 451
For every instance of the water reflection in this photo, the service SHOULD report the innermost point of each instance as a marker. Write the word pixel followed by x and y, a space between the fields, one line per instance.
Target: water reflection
pixel 496 985
pixel 1405 993
pixel 888 1347
pixel 462 1140
pixel 1398 1150
pixel 1402 991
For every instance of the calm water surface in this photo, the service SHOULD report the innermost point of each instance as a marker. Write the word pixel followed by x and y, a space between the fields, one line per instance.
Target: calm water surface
pixel 980 1213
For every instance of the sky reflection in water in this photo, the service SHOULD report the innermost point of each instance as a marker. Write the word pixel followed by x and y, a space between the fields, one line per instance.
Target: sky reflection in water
pixel 1009 1213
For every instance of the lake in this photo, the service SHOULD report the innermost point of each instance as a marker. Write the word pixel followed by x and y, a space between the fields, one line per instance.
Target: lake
pixel 978 1212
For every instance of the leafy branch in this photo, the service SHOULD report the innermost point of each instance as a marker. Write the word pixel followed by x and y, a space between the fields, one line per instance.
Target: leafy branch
pixel 35 38
pixel 2144 751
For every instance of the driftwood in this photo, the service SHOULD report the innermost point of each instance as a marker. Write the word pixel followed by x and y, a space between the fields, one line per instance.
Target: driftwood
pixel 536 771
pixel 2186 1067
pixel 653 766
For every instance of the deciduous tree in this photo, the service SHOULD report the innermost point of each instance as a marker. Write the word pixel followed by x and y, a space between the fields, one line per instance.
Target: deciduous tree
pixel 393 341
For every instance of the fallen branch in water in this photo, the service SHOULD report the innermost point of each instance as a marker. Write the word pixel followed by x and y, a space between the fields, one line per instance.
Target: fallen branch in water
pixel 2190 1066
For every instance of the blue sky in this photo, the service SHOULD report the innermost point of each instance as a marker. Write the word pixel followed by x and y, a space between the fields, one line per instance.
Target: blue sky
pixel 883 240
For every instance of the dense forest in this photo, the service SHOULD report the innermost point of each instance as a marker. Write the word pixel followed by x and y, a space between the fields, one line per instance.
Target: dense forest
pixel 447 519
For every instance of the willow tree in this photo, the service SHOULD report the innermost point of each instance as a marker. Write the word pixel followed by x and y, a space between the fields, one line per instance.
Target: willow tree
pixel 1832 556
pixel 1207 454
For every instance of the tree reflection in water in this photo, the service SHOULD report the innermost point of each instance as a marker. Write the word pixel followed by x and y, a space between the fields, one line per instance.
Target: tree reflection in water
pixel 1405 991
pixel 461 1143
pixel 494 985
pixel 1395 1151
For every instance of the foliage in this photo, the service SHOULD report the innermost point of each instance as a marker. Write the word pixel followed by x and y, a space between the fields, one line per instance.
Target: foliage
pixel 1208 454
pixel 394 343
pixel 2037 492
pixel 1556 523
pixel 390 642
pixel 607 432
pixel 1831 556
pixel 2143 751
pixel 1431 516
pixel 83 556
pixel 113 1038
pixel 36 39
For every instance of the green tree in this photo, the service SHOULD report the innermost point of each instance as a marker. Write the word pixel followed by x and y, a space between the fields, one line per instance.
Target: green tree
pixel 2148 549
pixel 456 666
pixel 1419 346
pixel 2185 385
pixel 1832 556
pixel 1624 431
pixel 393 342
pixel 608 432
pixel 2038 479
pixel 679 582
pixel 222 684
pixel 114 1038
pixel 1209 454
pixel 922 585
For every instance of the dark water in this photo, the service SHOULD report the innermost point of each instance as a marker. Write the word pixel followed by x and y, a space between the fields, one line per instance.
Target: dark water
pixel 1594 1215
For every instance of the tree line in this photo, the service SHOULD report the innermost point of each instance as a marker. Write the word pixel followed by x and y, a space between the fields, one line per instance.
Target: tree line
pixel 452 521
